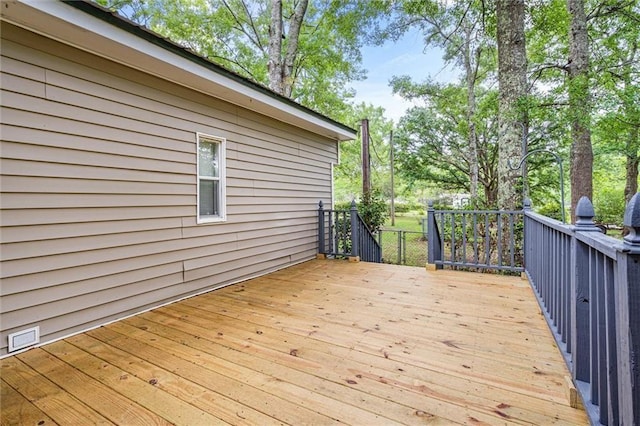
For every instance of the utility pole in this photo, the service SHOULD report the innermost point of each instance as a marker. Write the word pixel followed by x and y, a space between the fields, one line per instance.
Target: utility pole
pixel 366 161
pixel 393 194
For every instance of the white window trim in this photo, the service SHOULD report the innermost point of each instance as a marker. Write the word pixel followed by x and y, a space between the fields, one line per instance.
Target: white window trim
pixel 222 179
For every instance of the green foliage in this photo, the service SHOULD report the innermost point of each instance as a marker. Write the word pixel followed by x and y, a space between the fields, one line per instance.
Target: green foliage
pixel 432 140
pixel 408 207
pixel 550 209
pixel 373 210
pixel 609 206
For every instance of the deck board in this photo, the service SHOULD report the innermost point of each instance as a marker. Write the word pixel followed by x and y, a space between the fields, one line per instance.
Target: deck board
pixel 323 342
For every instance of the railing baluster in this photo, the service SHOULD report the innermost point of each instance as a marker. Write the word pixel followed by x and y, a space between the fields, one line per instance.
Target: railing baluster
pixel 611 347
pixel 512 240
pixel 568 294
pixel 453 238
pixel 475 238
pixel 500 248
pixel 464 238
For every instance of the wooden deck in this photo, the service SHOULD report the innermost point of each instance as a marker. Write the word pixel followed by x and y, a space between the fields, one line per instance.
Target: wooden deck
pixel 320 343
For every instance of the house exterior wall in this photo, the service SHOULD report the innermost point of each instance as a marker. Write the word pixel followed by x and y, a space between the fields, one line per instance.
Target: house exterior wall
pixel 98 190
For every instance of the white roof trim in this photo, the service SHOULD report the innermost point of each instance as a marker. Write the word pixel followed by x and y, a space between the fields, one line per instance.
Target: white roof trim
pixel 74 27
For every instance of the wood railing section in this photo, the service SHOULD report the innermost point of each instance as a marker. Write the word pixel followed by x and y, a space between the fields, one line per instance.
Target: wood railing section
pixel 343 233
pixel 475 239
pixel 588 285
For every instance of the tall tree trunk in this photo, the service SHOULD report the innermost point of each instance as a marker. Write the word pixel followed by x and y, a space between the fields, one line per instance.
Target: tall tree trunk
pixel 631 184
pixel 471 63
pixel 579 106
pixel 293 38
pixel 512 78
pixel 632 117
pixel 274 65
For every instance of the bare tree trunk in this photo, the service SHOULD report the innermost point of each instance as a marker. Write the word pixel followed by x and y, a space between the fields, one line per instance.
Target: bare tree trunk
pixel 512 78
pixel 579 106
pixel 631 185
pixel 471 71
pixel 632 116
pixel 274 65
pixel 292 46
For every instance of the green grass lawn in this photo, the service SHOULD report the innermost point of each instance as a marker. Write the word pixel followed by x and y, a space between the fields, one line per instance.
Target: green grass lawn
pixel 406 223
pixel 414 248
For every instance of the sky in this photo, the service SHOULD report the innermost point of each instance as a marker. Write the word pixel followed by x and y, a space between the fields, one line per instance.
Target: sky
pixel 407 56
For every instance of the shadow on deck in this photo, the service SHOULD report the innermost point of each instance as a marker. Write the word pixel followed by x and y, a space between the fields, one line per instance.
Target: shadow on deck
pixel 318 343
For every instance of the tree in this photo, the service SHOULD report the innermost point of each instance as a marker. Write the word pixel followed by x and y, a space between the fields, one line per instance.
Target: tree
pixel 512 115
pixel 281 64
pixel 579 106
pixel 432 141
pixel 615 33
pixel 458 28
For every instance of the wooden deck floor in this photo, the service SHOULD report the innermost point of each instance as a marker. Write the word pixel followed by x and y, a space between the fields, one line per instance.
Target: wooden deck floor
pixel 319 343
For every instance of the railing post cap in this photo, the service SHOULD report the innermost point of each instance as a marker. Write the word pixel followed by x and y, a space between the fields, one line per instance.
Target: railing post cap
pixel 527 203
pixel 584 216
pixel 632 221
pixel 320 205
pixel 430 204
pixel 353 204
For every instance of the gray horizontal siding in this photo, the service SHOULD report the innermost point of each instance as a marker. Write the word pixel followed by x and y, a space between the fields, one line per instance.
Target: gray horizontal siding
pixel 98 188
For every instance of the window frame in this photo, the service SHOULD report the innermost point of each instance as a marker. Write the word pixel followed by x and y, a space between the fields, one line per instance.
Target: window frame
pixel 222 178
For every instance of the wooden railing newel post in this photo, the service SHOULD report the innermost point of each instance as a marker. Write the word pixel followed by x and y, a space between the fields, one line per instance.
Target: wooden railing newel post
pixel 526 207
pixel 579 303
pixel 355 254
pixel 321 236
pixel 628 317
pixel 584 216
pixel 434 252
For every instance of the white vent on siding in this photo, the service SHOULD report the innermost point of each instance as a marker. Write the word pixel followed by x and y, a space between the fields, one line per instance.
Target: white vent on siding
pixel 24 338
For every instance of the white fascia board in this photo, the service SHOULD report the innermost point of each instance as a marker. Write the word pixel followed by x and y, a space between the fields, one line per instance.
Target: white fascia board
pixel 79 29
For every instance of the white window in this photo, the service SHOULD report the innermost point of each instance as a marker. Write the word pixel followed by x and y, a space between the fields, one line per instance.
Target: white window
pixel 211 179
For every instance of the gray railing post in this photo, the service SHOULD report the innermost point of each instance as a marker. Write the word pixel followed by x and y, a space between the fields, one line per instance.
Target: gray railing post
pixel 434 252
pixel 320 228
pixel 628 317
pixel 580 278
pixel 355 253
pixel 526 207
pixel 584 216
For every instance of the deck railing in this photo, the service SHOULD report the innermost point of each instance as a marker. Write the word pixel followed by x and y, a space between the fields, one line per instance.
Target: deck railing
pixel 343 233
pixel 588 285
pixel 477 239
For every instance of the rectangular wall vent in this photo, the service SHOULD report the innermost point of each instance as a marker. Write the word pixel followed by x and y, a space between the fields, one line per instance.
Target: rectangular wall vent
pixel 24 338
